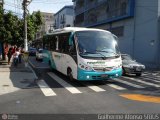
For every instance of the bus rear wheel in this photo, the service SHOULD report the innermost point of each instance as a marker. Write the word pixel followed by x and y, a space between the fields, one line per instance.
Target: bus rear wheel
pixel 69 74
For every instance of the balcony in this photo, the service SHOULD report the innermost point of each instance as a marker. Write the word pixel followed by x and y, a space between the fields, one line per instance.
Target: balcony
pixel 79 19
pixel 102 14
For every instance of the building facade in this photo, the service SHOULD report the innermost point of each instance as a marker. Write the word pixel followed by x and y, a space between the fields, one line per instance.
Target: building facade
pixel 64 17
pixel 47 27
pixel 135 22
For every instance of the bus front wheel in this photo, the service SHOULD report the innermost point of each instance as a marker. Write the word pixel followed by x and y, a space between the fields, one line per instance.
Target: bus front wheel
pixel 69 74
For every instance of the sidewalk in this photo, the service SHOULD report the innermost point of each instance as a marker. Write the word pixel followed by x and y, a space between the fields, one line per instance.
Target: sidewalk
pixel 14 78
pixel 5 67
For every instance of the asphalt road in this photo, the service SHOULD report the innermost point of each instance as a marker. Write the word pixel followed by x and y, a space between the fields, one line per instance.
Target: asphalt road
pixel 53 93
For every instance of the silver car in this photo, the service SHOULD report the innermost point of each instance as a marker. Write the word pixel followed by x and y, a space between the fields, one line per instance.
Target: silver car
pixel 39 55
pixel 130 66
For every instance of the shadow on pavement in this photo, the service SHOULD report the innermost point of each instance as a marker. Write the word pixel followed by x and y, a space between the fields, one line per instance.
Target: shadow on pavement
pixel 17 76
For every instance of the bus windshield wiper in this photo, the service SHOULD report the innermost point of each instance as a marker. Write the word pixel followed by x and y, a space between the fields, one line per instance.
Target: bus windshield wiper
pixel 103 56
pixel 116 54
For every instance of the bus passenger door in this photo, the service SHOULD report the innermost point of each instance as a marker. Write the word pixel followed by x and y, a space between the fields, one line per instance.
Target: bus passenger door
pixel 69 56
pixel 57 55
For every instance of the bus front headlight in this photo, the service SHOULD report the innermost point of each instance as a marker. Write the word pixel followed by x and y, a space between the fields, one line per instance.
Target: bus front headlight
pixel 117 67
pixel 85 67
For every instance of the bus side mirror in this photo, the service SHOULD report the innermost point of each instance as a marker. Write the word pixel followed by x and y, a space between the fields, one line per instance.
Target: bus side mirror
pixel 115 37
pixel 70 43
pixel 71 39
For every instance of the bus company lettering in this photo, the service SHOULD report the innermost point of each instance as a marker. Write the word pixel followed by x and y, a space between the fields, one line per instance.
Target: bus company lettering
pixel 98 62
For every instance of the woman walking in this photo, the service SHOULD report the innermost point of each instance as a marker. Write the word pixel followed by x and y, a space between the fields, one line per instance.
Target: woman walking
pixel 15 57
pixel 9 55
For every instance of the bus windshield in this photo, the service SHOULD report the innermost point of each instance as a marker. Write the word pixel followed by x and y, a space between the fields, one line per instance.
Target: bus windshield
pixel 97 44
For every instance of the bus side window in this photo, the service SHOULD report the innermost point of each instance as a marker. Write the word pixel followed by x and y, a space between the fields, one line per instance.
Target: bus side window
pixel 53 43
pixel 64 44
pixel 61 44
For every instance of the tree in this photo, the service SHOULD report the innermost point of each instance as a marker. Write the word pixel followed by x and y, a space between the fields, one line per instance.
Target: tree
pixel 34 23
pixel 2 30
pixel 12 27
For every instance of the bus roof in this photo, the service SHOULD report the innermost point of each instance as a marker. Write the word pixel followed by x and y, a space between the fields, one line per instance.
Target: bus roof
pixel 74 29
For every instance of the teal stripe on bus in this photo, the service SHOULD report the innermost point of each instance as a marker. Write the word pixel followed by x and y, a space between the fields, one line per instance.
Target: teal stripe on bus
pixel 93 75
pixel 48 57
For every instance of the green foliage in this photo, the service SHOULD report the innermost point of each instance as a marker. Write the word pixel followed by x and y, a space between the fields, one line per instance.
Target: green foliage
pixel 34 22
pixel 12 27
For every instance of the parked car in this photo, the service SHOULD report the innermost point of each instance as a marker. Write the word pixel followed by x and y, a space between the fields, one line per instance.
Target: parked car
pixel 130 66
pixel 39 55
pixel 32 51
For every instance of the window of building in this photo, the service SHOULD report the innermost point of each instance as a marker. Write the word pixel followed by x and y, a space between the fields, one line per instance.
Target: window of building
pixel 123 8
pixel 80 3
pixel 92 16
pixel 118 31
pixel 79 18
pixel 107 8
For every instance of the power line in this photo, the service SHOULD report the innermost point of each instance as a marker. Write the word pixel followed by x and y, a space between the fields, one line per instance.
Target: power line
pixel 13 6
pixel 60 2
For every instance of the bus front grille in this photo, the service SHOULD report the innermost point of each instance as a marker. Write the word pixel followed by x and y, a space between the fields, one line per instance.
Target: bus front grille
pixel 102 69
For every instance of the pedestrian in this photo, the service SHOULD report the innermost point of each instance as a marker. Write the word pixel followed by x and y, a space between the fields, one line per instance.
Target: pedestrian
pixel 15 57
pixel 9 55
pixel 5 51
pixel 14 49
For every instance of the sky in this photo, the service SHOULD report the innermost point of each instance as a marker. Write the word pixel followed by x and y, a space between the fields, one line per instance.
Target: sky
pixel 50 6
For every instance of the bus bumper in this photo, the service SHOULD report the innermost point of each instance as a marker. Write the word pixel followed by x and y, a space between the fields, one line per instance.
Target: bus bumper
pixel 93 75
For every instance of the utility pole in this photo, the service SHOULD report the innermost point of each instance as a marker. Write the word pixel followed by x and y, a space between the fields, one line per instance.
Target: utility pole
pixel 25 25
pixel 25 4
pixel 2 56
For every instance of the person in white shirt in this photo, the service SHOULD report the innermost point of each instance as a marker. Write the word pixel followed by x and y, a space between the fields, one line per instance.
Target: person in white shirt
pixel 15 57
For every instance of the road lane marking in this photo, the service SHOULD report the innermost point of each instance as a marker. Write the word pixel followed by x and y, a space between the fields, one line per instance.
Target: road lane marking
pixel 34 66
pixel 33 72
pixel 150 74
pixel 116 87
pixel 138 80
pixel 47 91
pixel 31 64
pixel 151 79
pixel 95 88
pixel 143 98
pixel 128 83
pixel 66 85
